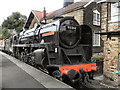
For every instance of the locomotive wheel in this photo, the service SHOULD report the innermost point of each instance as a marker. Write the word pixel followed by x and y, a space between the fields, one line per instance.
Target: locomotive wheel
pixel 26 56
pixel 56 74
pixel 31 60
pixel 22 58
pixel 78 84
pixel 17 53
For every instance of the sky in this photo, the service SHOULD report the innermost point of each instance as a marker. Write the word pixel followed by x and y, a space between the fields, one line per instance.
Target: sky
pixel 25 6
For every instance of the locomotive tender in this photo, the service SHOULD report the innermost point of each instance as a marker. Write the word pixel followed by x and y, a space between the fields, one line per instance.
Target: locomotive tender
pixel 63 48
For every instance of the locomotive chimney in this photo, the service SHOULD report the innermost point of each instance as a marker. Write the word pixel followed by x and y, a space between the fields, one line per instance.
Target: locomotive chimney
pixel 44 13
pixel 67 2
pixel 43 21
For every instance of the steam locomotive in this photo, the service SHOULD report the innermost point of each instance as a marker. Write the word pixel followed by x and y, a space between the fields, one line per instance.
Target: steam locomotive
pixel 62 48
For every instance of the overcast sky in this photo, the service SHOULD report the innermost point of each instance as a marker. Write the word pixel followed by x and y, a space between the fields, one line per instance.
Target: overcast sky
pixel 25 6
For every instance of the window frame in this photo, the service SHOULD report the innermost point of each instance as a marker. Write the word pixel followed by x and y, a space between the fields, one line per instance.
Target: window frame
pixel 94 38
pixel 96 17
pixel 114 17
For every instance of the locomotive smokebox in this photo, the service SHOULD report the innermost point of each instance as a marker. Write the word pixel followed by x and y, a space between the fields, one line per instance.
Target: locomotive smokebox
pixel 67 2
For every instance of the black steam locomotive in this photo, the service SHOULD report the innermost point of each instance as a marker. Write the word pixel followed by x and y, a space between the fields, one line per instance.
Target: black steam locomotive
pixel 62 48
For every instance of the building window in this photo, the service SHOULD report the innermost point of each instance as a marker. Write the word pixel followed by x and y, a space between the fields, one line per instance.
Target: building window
pixel 96 18
pixel 96 38
pixel 114 12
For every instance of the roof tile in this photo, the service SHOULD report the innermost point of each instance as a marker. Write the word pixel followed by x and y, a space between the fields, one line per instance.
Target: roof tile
pixel 38 14
pixel 66 9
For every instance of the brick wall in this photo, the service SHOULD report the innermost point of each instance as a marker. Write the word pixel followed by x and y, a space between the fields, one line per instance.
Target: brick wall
pixel 111 49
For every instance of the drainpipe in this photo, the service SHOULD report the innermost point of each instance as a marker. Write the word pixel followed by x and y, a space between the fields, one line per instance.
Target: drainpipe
pixel 107 19
pixel 119 15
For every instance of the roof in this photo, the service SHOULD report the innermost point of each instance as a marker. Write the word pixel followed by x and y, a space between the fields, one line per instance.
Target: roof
pixel 100 1
pixel 59 12
pixel 38 14
pixel 69 8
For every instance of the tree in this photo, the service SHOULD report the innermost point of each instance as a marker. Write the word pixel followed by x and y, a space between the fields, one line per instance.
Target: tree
pixel 0 32
pixel 4 34
pixel 15 22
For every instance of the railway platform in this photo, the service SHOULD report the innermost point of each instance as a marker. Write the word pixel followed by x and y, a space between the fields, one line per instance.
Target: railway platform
pixel 17 74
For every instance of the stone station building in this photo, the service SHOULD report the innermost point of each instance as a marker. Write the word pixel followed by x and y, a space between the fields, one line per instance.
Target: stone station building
pixel 110 33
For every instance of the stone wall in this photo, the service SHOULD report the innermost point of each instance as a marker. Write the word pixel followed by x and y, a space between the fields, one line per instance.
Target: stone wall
pixel 33 22
pixel 111 49
pixel 78 15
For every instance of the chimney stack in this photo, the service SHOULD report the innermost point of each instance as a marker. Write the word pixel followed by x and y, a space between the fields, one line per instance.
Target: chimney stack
pixel 67 2
pixel 44 13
